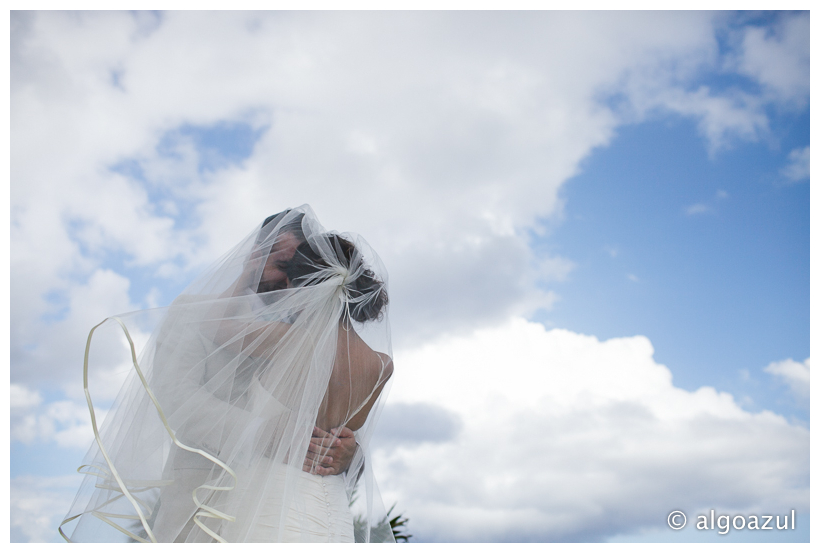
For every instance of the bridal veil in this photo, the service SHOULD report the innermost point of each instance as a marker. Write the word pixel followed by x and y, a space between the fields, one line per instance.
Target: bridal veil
pixel 227 389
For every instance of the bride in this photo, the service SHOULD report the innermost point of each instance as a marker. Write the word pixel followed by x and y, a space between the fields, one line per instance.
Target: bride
pixel 210 438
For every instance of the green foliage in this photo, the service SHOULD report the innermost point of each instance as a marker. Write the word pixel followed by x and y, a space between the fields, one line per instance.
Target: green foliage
pixel 381 533
pixel 398 526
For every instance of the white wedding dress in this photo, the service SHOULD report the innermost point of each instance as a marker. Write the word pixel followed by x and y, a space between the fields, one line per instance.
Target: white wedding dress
pixel 317 509
pixel 207 439
pixel 319 513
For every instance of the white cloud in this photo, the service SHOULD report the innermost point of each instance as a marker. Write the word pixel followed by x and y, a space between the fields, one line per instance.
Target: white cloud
pixel 22 398
pixel 777 57
pixel 793 373
pixel 798 166
pixel 443 138
pixel 54 352
pixel 565 437
pixel 38 504
pixel 554 268
pixel 706 207
pixel 63 423
pixel 698 209
pixel 438 136
pixel 721 118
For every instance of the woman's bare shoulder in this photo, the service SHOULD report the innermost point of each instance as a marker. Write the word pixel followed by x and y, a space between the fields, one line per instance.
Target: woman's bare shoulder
pixel 378 365
pixel 384 364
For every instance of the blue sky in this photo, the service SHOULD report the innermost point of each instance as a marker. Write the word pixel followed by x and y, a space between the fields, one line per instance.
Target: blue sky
pixel 597 221
pixel 719 291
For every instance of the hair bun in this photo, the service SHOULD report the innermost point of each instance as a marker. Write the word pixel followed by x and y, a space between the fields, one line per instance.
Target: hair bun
pixel 366 294
pixel 373 297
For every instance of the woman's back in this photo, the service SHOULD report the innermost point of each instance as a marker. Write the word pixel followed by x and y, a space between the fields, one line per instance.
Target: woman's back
pixel 358 376
pixel 209 442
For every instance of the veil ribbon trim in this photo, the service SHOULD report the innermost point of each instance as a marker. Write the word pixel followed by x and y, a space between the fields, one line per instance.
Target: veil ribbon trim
pixel 205 511
pixel 285 333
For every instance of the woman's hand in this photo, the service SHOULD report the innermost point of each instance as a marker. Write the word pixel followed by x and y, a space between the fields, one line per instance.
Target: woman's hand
pixel 331 452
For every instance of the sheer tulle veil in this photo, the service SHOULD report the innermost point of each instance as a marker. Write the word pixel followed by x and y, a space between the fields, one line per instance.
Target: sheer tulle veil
pixel 227 389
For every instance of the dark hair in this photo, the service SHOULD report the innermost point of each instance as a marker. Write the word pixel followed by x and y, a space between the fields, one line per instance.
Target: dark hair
pixel 306 262
pixel 294 226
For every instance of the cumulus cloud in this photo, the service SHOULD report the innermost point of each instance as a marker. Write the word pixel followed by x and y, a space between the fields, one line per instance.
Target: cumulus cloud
pixel 21 398
pixel 566 437
pixel 555 268
pixel 53 352
pixel 774 57
pixel 414 423
pixel 793 373
pixel 798 166
pixel 38 504
pixel 62 423
pixel 721 118
pixel 777 57
pixel 441 137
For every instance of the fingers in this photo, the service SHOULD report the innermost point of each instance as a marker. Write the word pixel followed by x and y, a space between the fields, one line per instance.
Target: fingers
pixel 321 471
pixel 319 467
pixel 343 432
pixel 318 461
pixel 321 442
pixel 324 439
pixel 316 469
pixel 319 458
pixel 319 433
pixel 318 446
